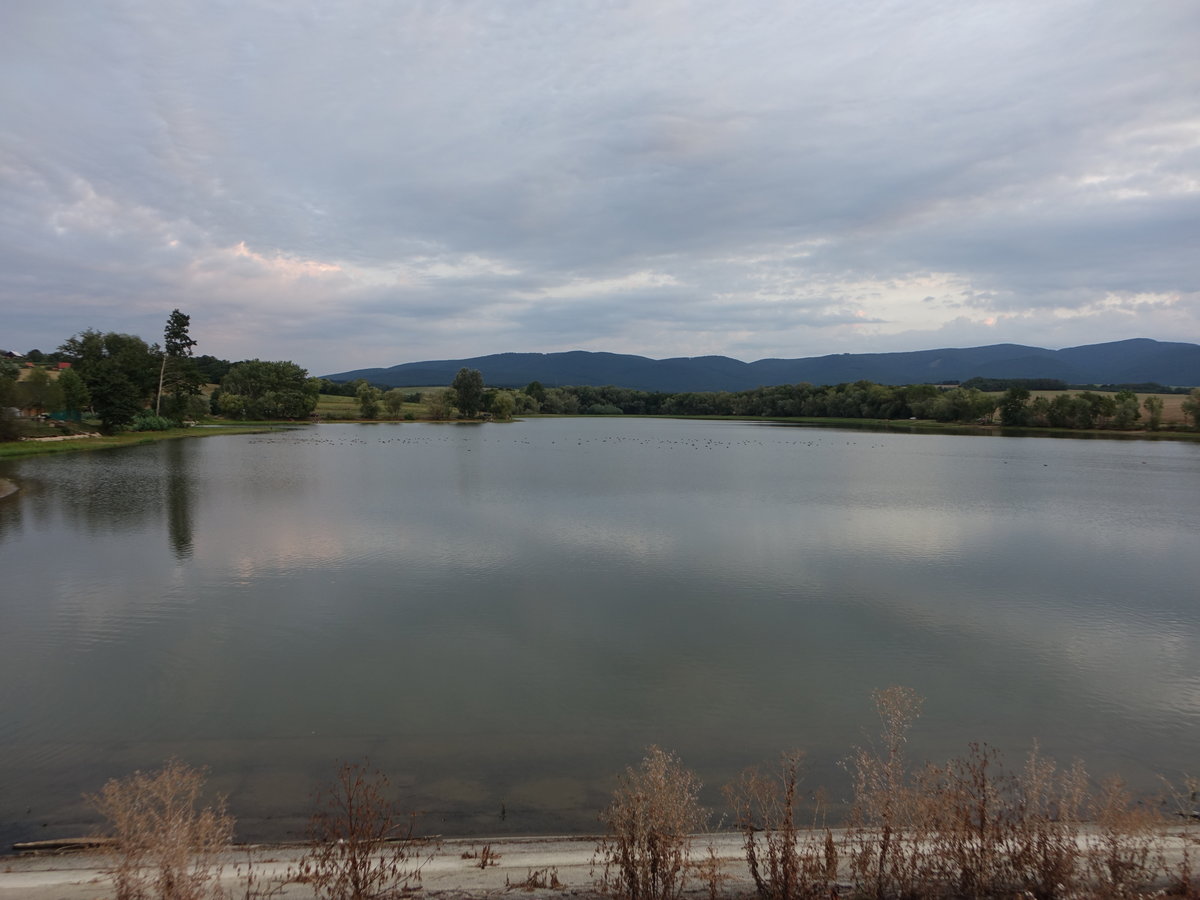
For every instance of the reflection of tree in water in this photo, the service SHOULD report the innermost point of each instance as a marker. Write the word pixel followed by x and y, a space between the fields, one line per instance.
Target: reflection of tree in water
pixel 178 490
pixel 110 492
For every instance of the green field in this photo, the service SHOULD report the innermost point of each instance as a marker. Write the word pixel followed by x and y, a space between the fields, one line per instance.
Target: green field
pixel 334 406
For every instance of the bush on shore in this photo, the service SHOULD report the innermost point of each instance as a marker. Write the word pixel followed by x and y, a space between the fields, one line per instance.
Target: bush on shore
pixel 969 827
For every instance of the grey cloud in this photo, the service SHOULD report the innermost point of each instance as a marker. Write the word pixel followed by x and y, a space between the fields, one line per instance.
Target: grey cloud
pixel 779 163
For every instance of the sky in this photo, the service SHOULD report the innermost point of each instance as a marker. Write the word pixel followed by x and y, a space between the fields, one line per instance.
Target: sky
pixel 361 183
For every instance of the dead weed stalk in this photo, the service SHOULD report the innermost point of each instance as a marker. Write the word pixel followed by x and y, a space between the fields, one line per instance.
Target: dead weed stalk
pixel 361 844
pixel 784 862
pixel 645 854
pixel 167 845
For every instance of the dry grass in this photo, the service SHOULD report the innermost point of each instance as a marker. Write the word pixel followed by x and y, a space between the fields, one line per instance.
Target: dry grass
pixel 966 828
pixel 361 844
pixel 167 845
pixel 537 879
pixel 646 853
pixel 784 862
pixel 1172 415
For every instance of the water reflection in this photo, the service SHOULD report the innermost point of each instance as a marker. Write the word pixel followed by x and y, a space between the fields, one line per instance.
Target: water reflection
pixel 179 489
pixel 510 614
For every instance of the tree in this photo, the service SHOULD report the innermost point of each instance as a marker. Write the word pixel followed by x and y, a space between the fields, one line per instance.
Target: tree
pixel 535 390
pixel 438 405
pixel 1013 408
pixel 468 392
pixel 393 401
pixel 177 371
pixel 39 392
pixel 1125 409
pixel 211 369
pixel 119 370
pixel 8 398
pixel 1154 411
pixel 1191 406
pixel 268 390
pixel 503 406
pixel 116 399
pixel 368 401
pixel 75 394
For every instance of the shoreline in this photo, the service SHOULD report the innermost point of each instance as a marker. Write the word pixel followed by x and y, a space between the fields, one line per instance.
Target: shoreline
pixel 548 866
pixel 559 864
pixel 25 449
pixel 7 487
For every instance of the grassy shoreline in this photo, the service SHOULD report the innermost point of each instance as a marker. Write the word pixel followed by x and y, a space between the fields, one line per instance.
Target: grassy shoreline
pixel 35 447
pixel 30 448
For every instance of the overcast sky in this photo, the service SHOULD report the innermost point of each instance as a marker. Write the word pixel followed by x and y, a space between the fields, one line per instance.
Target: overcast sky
pixel 350 184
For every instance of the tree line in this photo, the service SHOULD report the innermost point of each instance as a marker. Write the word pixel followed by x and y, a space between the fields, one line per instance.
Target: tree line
pixel 1017 407
pixel 124 383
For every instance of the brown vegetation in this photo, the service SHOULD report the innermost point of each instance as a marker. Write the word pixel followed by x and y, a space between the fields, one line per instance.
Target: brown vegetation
pixel 968 827
pixel 361 845
pixel 166 845
pixel 646 852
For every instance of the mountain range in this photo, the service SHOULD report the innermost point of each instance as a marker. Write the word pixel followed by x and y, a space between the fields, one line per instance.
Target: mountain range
pixel 1120 362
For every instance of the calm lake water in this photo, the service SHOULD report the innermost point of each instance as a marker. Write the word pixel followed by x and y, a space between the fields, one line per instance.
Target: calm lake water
pixel 502 617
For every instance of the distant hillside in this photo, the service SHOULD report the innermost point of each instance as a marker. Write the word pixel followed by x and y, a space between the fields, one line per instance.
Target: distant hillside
pixel 1132 361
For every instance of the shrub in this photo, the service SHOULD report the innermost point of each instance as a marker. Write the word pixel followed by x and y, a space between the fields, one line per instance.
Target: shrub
pixel 886 838
pixel 361 844
pixel 165 845
pixel 1046 849
pixel 782 864
pixel 148 421
pixel 655 808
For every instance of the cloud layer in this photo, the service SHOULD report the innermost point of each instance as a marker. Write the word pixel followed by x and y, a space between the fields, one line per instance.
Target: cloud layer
pixel 359 183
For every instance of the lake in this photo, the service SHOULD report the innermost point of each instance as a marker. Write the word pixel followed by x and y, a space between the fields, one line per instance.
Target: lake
pixel 502 617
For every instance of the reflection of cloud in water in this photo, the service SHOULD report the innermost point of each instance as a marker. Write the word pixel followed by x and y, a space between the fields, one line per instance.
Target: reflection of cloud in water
pixel 627 544
pixel 552 595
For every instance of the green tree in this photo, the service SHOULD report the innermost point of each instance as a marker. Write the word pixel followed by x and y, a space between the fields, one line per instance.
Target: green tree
pixel 177 372
pixel 1100 407
pixel 9 372
pixel 211 369
pixel 75 394
pixel 503 406
pixel 269 390
pixel 116 399
pixel 958 405
pixel 1013 407
pixel 1071 411
pixel 1125 410
pixel 38 392
pixel 1154 412
pixel 393 401
pixel 438 405
pixel 535 390
pixel 368 401
pixel 468 392
pixel 1191 406
pixel 119 370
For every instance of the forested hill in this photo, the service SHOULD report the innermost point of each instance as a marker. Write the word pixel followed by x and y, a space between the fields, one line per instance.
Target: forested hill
pixel 1120 362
